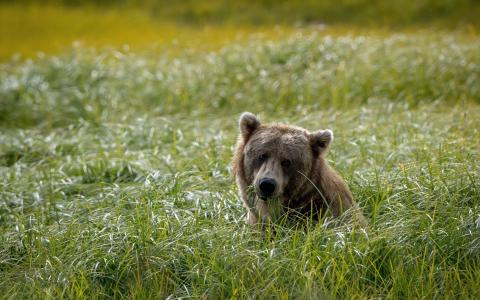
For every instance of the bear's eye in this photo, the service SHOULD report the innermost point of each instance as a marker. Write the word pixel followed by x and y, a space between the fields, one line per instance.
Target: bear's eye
pixel 286 163
pixel 263 157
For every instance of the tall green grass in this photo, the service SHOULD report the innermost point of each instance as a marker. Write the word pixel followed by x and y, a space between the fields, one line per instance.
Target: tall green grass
pixel 305 71
pixel 115 178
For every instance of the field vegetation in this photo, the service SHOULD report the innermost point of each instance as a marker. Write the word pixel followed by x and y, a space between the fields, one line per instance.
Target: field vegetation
pixel 115 176
pixel 30 27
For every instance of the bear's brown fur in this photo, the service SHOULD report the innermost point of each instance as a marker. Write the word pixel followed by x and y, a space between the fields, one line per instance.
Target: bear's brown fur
pixel 282 168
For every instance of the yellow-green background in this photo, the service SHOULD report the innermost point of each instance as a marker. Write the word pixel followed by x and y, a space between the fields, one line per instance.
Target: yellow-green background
pixel 32 27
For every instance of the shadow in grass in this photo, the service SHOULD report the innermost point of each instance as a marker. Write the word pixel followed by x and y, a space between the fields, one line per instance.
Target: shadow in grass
pixel 9 158
pixel 117 174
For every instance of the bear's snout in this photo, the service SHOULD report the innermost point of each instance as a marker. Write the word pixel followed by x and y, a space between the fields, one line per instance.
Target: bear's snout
pixel 267 187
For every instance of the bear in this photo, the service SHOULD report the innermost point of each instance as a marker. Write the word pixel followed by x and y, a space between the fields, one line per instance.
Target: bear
pixel 281 170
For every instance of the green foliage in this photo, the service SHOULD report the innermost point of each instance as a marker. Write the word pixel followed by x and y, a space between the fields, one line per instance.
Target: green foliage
pixel 365 12
pixel 305 71
pixel 115 178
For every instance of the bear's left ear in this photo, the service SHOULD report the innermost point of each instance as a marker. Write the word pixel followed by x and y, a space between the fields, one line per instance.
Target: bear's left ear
pixel 320 140
pixel 248 123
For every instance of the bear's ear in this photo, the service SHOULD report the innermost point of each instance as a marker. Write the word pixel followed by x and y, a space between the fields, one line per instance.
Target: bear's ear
pixel 248 124
pixel 320 140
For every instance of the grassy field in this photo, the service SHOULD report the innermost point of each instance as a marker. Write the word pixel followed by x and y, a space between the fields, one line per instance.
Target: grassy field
pixel 53 26
pixel 115 177
pixel 34 30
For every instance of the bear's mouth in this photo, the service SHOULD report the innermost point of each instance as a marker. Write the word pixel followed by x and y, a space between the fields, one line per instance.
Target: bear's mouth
pixel 270 198
pixel 263 196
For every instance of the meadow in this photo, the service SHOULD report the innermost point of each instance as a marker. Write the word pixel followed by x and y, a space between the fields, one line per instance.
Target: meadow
pixel 115 176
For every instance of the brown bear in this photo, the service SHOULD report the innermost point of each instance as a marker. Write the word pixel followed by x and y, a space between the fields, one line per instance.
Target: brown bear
pixel 282 169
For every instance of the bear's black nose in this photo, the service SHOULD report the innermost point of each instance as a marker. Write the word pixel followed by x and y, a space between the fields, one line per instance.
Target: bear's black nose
pixel 267 187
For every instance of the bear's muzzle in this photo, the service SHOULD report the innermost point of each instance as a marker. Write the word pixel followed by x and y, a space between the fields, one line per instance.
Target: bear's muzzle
pixel 267 187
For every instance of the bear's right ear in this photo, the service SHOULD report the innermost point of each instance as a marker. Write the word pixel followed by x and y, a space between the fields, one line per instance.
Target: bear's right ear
pixel 248 124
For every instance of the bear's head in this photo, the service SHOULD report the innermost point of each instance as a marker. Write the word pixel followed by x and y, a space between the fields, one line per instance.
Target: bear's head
pixel 278 159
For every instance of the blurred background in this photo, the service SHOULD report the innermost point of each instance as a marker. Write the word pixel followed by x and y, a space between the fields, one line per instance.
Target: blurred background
pixel 49 26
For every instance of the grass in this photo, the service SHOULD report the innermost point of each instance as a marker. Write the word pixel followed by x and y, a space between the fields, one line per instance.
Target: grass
pixel 300 73
pixel 35 30
pixel 115 178
pixel 392 13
